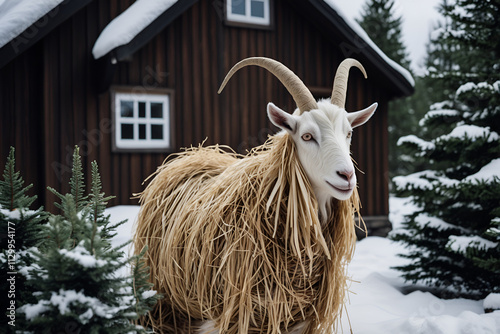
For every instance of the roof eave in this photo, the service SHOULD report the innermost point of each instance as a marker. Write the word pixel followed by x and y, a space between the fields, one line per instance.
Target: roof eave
pixel 124 52
pixel 43 26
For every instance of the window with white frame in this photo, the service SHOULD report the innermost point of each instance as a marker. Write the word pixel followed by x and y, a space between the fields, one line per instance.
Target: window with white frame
pixel 141 121
pixel 254 12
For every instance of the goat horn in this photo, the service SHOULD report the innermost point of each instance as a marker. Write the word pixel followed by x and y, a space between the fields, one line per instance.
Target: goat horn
pixel 340 83
pixel 301 95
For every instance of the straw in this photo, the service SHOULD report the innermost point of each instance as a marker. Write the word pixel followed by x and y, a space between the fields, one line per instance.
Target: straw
pixel 237 240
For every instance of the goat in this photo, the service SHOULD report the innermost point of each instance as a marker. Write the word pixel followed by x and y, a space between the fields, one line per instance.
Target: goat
pixel 257 243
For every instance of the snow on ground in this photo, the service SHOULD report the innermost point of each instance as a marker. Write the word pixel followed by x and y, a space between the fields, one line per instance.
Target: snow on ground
pixel 124 232
pixel 376 304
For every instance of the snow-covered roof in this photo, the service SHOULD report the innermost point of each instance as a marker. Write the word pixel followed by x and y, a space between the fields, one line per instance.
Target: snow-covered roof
pixel 18 15
pixel 142 13
pixel 129 24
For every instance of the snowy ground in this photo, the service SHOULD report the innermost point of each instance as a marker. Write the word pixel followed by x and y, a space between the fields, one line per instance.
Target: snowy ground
pixel 377 305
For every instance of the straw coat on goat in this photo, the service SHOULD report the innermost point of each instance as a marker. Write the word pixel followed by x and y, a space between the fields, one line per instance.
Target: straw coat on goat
pixel 257 243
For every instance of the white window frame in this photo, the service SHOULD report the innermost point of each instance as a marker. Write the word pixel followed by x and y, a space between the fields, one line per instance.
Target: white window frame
pixel 248 18
pixel 135 144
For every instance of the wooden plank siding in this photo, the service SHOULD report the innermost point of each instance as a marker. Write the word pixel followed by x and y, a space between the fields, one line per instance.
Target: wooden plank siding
pixel 50 103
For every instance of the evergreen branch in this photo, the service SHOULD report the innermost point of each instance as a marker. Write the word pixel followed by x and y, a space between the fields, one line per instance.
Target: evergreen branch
pixel 12 186
pixel 11 179
pixel 76 183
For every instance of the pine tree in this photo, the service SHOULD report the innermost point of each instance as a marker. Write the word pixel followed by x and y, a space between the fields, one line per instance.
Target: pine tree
pixel 20 233
pixel 452 237
pixel 75 282
pixel 379 21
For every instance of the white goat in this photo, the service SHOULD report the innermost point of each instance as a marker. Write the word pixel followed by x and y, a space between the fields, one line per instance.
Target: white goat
pixel 257 243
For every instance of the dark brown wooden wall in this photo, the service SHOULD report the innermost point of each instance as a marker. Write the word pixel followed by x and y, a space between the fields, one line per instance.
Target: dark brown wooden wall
pixel 49 102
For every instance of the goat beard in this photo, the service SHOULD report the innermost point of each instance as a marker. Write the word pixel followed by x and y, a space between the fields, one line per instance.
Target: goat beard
pixel 237 240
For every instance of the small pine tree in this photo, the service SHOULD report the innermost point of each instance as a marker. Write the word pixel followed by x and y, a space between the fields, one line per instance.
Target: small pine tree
pixel 20 233
pixel 75 282
pixel 459 193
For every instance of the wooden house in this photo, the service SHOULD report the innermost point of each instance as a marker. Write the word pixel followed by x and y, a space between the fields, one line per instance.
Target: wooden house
pixel 130 84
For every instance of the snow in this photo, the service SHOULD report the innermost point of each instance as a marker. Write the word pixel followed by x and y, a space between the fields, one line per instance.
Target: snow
pixel 459 244
pixel 488 173
pixel 399 208
pixel 83 257
pixel 63 300
pixel 16 214
pixel 438 113
pixel 11 215
pixel 424 219
pixel 436 33
pixel 128 24
pixel 424 180
pixel 422 144
pixel 377 304
pixel 466 88
pixel 492 301
pixel 148 294
pixel 33 311
pixel 414 181
pixel 364 36
pixel 124 232
pixel 470 131
pixel 18 15
pixel 471 86
pixel 446 33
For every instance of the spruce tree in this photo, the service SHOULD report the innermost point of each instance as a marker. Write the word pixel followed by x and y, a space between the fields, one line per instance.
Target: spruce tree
pixel 20 233
pixel 75 281
pixel 384 28
pixel 453 237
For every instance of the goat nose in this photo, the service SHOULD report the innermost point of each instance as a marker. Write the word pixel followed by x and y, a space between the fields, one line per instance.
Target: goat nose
pixel 346 174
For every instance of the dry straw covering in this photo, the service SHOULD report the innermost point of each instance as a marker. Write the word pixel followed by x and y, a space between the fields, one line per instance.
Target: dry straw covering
pixel 238 240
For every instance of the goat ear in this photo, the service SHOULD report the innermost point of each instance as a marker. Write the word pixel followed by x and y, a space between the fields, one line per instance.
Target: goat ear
pixel 281 118
pixel 358 118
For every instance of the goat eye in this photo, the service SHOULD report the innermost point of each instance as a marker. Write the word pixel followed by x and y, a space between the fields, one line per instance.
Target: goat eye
pixel 349 134
pixel 307 136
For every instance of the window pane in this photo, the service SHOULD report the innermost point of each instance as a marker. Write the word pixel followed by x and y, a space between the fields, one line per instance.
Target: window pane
pixel 142 131
pixel 156 110
pixel 142 109
pixel 257 8
pixel 127 108
pixel 156 131
pixel 127 131
pixel 238 7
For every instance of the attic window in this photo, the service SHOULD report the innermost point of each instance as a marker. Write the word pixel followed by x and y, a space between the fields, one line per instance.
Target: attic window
pixel 141 120
pixel 248 12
